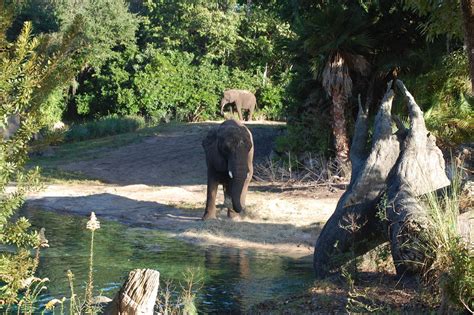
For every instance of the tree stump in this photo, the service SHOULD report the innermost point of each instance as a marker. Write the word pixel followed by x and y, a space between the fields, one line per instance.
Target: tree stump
pixel 380 203
pixel 137 295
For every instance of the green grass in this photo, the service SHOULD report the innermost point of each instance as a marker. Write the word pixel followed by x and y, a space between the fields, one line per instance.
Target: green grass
pixel 86 150
pixel 452 270
pixel 53 175
pixel 106 126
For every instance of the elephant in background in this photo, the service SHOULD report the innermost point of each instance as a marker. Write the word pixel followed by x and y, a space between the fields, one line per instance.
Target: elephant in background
pixel 229 157
pixel 242 99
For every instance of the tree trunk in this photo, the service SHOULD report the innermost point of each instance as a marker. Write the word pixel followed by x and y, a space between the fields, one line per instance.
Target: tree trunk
pixel 354 220
pixel 137 295
pixel 339 127
pixel 420 169
pixel 380 202
pixel 467 8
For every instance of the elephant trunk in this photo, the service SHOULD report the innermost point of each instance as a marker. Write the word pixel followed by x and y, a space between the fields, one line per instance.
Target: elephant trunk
pixel 240 184
pixel 238 195
pixel 223 102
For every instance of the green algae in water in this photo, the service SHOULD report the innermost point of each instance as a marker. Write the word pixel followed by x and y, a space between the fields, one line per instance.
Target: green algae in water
pixel 232 279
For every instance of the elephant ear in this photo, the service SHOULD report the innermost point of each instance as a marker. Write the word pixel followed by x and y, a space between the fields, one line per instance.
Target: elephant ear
pixel 210 139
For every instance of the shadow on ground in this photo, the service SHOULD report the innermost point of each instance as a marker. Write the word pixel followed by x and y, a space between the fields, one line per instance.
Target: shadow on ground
pixel 160 216
pixel 173 157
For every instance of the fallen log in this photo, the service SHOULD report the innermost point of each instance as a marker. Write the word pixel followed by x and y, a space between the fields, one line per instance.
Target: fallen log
pixel 380 201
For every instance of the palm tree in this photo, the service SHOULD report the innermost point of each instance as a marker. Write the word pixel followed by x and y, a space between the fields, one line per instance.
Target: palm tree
pixel 336 37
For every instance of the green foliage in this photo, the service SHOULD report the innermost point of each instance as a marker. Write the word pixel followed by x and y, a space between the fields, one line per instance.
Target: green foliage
pixel 458 281
pixel 442 93
pixel 105 126
pixel 24 75
pixel 53 108
pixel 336 28
pixel 208 29
pixel 21 66
pixel 442 17
pixel 31 70
pixel 451 273
pixel 262 42
pixel 172 87
pixel 188 53
pixel 107 24
pixel 308 135
pixel 271 101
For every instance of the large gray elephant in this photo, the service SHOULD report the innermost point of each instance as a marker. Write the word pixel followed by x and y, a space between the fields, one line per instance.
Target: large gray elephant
pixel 242 99
pixel 229 157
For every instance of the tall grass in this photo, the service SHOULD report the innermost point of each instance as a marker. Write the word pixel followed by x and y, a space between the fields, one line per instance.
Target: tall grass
pixel 106 126
pixel 451 272
pixel 172 301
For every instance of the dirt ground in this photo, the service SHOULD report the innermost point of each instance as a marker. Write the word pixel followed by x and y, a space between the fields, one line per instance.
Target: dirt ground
pixel 160 182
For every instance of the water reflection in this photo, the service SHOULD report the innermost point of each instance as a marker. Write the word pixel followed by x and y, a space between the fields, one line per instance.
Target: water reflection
pixel 233 279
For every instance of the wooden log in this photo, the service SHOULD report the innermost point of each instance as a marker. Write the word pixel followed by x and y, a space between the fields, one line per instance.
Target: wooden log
pixel 137 295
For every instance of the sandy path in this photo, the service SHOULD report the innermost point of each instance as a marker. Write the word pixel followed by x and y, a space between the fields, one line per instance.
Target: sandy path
pixel 160 183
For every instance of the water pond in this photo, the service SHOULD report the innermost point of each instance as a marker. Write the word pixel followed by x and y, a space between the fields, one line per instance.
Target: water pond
pixel 232 279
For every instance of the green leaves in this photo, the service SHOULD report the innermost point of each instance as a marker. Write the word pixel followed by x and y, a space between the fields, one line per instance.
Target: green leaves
pixel 32 69
pixel 442 17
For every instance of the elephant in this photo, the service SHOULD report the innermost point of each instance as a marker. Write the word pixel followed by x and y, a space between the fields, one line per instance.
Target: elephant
pixel 242 99
pixel 229 157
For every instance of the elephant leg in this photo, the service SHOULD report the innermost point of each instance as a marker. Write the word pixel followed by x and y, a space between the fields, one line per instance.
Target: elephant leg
pixel 228 202
pixel 239 111
pixel 251 109
pixel 212 185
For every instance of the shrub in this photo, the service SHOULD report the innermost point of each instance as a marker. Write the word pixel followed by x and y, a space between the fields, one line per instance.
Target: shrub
pixel 442 93
pixel 451 273
pixel 270 101
pixel 311 132
pixel 170 85
pixel 106 126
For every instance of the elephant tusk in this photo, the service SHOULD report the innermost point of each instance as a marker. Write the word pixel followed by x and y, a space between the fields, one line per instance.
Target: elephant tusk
pixel 230 174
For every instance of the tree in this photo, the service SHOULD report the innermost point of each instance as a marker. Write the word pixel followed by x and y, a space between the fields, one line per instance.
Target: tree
pixel 441 17
pixel 263 42
pixel 467 8
pixel 31 69
pixel 27 78
pixel 336 35
pixel 207 29
pixel 453 18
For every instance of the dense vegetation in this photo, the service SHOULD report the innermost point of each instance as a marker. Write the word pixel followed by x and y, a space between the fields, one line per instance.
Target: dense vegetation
pixel 307 62
pixel 171 60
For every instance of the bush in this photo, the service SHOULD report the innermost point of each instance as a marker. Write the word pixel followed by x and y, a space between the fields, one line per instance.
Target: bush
pixel 442 93
pixel 309 128
pixel 107 126
pixel 170 85
pixel 451 273
pixel 270 101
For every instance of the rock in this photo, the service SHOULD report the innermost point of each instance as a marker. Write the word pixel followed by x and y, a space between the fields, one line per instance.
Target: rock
pixel 466 227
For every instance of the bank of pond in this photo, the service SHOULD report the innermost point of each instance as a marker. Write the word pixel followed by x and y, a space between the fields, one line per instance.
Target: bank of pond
pixel 231 280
